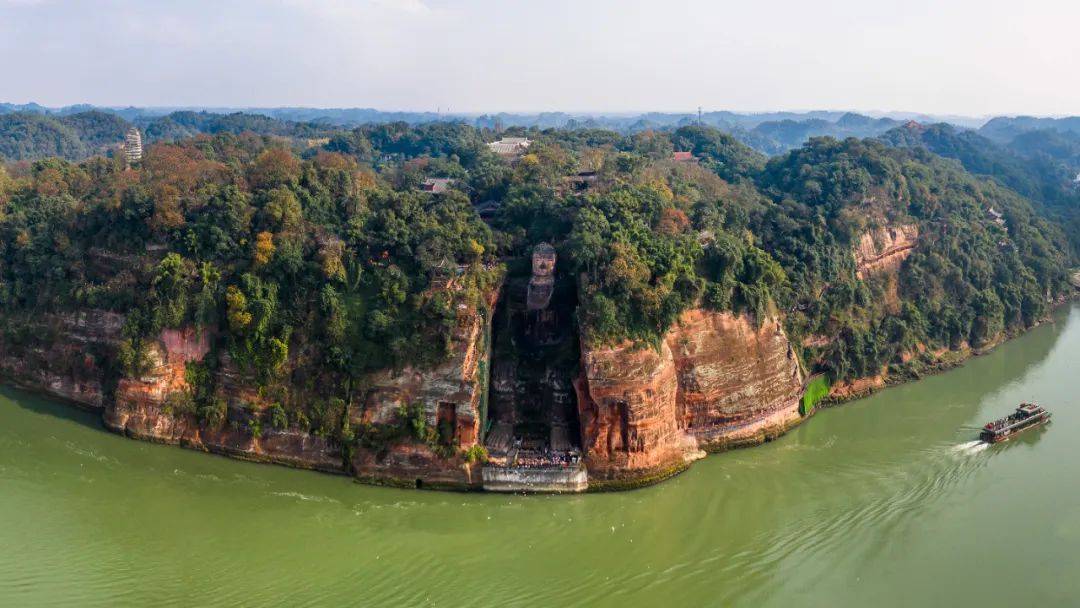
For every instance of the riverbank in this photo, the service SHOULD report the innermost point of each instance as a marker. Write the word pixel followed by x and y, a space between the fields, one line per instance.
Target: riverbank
pixel 929 363
pixel 870 498
pixel 301 450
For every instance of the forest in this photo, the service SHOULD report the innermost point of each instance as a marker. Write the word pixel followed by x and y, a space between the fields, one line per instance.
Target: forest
pixel 316 260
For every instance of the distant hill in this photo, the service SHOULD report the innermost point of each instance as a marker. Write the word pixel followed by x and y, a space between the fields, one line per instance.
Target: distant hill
pixel 1053 145
pixel 1004 129
pixel 768 132
pixel 30 135
pixel 179 125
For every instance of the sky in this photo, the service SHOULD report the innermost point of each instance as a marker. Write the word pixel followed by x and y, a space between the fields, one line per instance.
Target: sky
pixel 966 57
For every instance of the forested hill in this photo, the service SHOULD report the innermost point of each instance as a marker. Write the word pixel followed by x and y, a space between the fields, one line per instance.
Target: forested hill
pixel 1042 165
pixel 31 131
pixel 315 263
pixel 26 135
pixel 79 135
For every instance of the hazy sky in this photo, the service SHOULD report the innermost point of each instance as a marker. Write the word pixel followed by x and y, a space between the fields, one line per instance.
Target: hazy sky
pixel 946 56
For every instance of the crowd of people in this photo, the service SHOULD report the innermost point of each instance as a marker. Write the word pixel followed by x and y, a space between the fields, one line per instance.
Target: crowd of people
pixel 546 457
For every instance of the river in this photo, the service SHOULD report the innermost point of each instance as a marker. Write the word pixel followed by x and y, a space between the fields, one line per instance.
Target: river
pixel 880 502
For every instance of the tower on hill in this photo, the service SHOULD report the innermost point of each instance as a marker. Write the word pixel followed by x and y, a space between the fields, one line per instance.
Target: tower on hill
pixel 133 146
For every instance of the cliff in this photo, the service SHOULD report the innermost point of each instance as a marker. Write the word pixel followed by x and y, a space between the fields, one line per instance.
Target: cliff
pixel 65 356
pixel 146 408
pixel 882 251
pixel 73 357
pixel 453 394
pixel 717 381
pixel 452 391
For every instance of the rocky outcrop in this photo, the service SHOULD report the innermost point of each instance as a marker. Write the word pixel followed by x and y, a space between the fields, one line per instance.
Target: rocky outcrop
pixel 452 391
pixel 735 378
pixel 716 381
pixel 859 387
pixel 883 250
pixel 627 406
pixel 65 356
pixel 74 357
pixel 145 408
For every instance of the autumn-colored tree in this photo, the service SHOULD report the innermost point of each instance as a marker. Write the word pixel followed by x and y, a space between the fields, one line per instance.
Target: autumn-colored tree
pixel 273 168
pixel 237 309
pixel 264 249
pixel 672 222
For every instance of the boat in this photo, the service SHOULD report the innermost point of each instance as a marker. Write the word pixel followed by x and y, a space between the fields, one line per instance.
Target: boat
pixel 1027 416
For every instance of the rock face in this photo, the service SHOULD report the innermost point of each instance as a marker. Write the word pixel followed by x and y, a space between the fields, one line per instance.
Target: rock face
pixel 452 391
pixel 72 357
pixel 732 375
pixel 884 250
pixel 452 394
pixel 65 356
pixel 717 381
pixel 142 408
pixel 627 405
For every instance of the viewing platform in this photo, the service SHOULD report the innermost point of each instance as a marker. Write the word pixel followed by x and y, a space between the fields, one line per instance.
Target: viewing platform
pixel 520 465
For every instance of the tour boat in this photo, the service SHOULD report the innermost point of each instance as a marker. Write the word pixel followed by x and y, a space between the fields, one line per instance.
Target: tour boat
pixel 1027 416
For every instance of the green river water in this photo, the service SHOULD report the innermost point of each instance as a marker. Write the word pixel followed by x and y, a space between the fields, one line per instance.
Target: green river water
pixel 881 502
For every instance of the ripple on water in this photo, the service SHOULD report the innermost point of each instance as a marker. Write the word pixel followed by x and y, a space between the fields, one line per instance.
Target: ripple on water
pixel 306 497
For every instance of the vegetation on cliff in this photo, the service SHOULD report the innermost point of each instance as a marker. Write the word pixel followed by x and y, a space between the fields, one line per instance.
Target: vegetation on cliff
pixel 1041 165
pixel 312 265
pixel 309 273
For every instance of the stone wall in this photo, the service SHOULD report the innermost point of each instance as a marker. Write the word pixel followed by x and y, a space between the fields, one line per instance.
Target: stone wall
pixel 516 479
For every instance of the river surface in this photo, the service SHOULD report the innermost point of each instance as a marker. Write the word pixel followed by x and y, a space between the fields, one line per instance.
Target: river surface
pixel 881 502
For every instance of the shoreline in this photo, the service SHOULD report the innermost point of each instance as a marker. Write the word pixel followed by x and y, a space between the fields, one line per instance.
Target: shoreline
pixel 765 433
pixel 942 365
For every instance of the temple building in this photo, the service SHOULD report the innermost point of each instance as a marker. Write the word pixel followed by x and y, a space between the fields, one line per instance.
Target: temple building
pixel 133 146
pixel 510 147
pixel 436 185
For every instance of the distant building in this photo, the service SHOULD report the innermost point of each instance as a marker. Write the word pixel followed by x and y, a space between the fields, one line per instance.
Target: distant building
pixel 577 183
pixel 542 282
pixel 487 209
pixel 683 157
pixel 133 146
pixel 436 185
pixel 996 216
pixel 510 147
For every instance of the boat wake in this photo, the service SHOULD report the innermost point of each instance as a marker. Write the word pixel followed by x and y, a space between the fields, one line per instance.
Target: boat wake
pixel 970 447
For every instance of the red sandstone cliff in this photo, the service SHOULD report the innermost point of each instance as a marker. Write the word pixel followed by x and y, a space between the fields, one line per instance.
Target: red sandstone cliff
pixel 717 381
pixel 452 391
pixel 882 251
pixel 142 409
pixel 69 356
